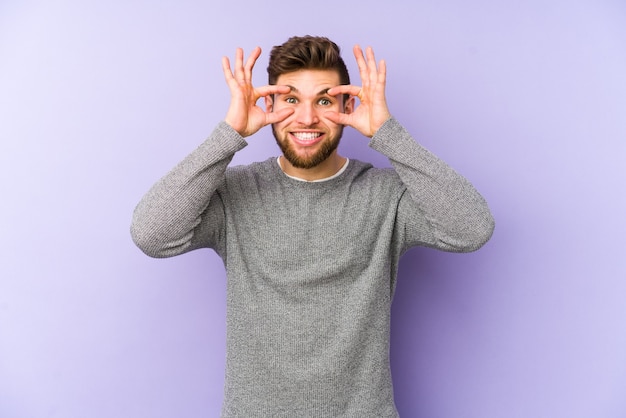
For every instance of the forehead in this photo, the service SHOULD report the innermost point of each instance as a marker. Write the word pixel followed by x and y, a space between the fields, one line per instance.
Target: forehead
pixel 309 81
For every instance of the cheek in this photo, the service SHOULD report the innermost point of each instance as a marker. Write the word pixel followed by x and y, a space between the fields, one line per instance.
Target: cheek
pixel 281 106
pixel 279 126
pixel 328 122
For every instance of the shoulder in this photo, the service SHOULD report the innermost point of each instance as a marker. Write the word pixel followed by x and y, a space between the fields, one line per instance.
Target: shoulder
pixel 364 169
pixel 243 180
pixel 255 169
pixel 363 173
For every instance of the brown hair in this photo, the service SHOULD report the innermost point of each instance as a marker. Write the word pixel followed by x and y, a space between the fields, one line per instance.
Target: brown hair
pixel 306 53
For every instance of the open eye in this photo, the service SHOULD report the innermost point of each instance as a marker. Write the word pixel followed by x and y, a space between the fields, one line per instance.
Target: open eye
pixel 325 102
pixel 291 100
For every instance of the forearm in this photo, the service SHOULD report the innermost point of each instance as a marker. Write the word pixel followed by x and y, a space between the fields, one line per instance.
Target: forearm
pixel 164 220
pixel 457 215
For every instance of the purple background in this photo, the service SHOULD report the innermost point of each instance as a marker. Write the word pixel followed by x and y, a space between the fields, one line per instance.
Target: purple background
pixel 527 99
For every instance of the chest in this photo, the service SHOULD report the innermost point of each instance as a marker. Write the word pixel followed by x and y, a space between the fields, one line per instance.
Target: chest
pixel 310 235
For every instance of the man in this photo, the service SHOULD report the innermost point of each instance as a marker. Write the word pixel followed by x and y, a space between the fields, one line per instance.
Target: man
pixel 310 240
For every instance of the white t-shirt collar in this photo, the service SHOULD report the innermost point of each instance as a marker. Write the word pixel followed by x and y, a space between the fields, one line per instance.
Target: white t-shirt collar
pixel 338 173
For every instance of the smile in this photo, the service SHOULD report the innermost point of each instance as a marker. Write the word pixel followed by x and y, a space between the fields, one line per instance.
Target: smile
pixel 306 138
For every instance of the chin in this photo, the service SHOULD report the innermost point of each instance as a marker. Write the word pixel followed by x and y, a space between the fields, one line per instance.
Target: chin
pixel 311 158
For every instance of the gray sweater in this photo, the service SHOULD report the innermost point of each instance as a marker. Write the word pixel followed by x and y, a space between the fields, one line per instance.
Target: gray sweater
pixel 311 266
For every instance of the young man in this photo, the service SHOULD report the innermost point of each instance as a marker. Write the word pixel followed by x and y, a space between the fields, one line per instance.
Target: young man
pixel 310 240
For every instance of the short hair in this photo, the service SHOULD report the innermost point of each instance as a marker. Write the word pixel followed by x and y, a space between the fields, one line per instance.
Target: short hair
pixel 306 53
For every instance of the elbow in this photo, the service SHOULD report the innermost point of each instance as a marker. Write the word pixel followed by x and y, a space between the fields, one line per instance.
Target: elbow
pixel 477 234
pixel 149 241
pixel 469 238
pixel 145 242
pixel 158 239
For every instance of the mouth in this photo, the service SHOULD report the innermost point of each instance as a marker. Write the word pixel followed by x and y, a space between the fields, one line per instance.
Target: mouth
pixel 306 138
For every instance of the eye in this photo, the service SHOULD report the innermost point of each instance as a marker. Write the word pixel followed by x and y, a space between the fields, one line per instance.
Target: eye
pixel 325 102
pixel 291 100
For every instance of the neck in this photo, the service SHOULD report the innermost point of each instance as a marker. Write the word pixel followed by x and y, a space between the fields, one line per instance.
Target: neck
pixel 325 169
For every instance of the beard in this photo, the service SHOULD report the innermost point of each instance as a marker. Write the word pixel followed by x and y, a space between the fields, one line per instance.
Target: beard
pixel 309 161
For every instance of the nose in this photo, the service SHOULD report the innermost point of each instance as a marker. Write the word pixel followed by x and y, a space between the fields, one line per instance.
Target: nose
pixel 307 115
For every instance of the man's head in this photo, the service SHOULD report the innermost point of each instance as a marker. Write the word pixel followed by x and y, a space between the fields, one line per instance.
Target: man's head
pixel 306 53
pixel 309 66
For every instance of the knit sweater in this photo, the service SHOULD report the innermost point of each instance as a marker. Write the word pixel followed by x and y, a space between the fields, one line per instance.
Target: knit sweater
pixel 311 266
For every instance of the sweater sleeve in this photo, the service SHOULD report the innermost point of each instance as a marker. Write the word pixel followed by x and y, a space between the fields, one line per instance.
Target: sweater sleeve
pixel 182 211
pixel 439 207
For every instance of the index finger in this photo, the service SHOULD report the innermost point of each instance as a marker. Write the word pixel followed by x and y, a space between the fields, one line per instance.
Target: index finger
pixel 345 89
pixel 272 89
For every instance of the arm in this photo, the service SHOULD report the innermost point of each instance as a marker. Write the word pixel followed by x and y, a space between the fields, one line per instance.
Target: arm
pixel 439 200
pixel 441 209
pixel 165 220
pixel 181 211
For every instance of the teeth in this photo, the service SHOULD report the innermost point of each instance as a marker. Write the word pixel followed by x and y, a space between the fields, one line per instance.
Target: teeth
pixel 306 136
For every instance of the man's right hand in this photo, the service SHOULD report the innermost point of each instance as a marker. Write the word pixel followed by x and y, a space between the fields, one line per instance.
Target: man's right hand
pixel 244 115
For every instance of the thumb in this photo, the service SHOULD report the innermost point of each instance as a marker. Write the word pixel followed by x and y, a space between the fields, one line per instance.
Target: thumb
pixel 338 118
pixel 278 116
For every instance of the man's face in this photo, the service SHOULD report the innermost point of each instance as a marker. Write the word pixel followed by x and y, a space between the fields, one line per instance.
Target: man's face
pixel 307 138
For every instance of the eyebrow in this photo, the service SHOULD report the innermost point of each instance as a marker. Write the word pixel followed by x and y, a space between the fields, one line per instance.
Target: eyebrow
pixel 320 93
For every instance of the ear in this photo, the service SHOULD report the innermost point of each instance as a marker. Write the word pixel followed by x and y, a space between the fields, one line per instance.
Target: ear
pixel 269 103
pixel 348 106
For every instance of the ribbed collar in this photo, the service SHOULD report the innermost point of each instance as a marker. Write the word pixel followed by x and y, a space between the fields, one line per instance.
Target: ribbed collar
pixel 337 174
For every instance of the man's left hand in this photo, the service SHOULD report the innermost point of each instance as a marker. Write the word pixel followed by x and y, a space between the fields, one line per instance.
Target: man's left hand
pixel 372 111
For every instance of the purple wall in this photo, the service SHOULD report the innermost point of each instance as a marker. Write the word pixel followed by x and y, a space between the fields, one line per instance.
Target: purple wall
pixel 527 99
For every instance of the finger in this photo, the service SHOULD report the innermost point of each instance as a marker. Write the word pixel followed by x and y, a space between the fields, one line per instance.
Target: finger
pixel 346 89
pixel 239 73
pixel 360 58
pixel 228 74
pixel 231 82
pixel 338 118
pixel 278 116
pixel 271 89
pixel 362 65
pixel 256 52
pixel 369 55
pixel 371 64
pixel 382 72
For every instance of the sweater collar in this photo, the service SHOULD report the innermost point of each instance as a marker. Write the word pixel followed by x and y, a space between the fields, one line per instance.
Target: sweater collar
pixel 337 174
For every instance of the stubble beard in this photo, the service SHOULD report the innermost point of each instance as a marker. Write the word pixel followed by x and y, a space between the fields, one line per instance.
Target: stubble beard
pixel 326 149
